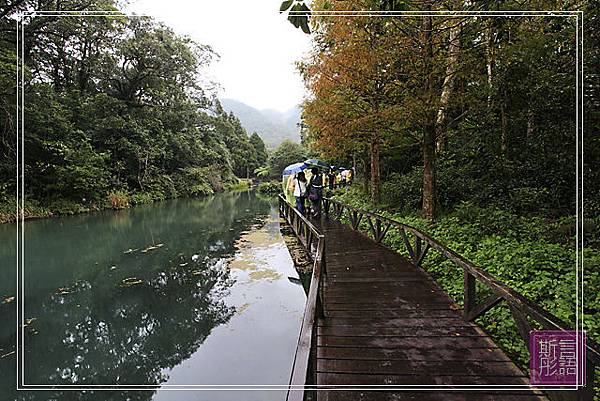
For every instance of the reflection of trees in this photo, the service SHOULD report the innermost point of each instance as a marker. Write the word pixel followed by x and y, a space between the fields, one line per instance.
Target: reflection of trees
pixel 103 331
pixel 131 335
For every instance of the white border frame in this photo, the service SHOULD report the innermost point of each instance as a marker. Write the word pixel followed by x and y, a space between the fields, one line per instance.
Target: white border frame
pixel 21 386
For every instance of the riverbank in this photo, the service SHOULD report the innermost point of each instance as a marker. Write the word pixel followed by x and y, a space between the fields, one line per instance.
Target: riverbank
pixel 116 200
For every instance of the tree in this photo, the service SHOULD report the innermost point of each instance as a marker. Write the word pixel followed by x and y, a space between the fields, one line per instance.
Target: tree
pixel 115 104
pixel 381 82
pixel 259 148
pixel 286 153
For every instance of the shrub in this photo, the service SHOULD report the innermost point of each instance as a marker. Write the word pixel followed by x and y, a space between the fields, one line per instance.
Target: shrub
pixel 239 184
pixel 142 198
pixel 269 187
pixel 66 207
pixel 118 200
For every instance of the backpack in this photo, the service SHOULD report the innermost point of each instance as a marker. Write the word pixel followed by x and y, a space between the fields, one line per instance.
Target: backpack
pixel 313 194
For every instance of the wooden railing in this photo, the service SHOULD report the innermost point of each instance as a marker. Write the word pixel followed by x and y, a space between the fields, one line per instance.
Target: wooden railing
pixel 314 243
pixel 520 307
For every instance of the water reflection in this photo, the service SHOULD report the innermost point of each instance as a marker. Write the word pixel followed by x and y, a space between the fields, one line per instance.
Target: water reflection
pixel 125 298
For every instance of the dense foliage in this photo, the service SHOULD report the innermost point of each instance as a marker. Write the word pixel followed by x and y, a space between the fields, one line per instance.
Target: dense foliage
pixel 441 110
pixel 117 111
pixel 286 153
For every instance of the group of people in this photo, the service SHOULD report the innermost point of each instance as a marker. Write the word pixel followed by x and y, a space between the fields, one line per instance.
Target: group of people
pixel 339 179
pixel 311 188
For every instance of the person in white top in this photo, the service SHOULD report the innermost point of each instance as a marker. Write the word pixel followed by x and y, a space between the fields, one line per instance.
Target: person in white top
pixel 299 183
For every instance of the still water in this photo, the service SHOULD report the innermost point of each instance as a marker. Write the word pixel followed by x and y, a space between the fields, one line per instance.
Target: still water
pixel 189 291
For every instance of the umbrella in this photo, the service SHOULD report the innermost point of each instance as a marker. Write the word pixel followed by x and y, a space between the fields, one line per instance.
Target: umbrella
pixel 317 163
pixel 294 168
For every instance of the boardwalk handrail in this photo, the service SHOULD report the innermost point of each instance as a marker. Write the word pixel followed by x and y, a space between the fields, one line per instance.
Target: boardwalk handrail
pixel 308 234
pixel 521 308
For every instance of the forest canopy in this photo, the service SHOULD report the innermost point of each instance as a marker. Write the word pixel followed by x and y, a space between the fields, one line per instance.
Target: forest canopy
pixel 443 109
pixel 117 109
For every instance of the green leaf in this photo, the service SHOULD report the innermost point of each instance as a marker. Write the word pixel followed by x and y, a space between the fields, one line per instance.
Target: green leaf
pixel 305 9
pixel 285 5
pixel 304 25
pixel 295 20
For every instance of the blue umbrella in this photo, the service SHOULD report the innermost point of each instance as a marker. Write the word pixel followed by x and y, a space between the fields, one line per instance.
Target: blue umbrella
pixel 294 168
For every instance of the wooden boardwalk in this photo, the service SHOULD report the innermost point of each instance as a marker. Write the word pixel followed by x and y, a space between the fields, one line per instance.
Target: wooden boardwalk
pixel 377 323
pixel 388 323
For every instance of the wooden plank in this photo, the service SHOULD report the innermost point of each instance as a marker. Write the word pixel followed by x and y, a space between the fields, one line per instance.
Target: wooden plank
pixel 418 379
pixel 380 279
pixel 406 298
pixel 389 321
pixel 441 395
pixel 419 331
pixel 393 313
pixel 385 286
pixel 433 310
pixel 413 354
pixel 430 368
pixel 455 342
pixel 379 315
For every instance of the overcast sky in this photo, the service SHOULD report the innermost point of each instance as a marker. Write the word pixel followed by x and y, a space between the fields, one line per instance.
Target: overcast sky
pixel 257 45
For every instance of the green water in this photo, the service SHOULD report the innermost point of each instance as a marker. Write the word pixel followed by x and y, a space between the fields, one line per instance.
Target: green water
pixel 191 291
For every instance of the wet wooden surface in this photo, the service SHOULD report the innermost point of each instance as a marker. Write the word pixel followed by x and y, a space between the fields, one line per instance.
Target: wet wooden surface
pixel 388 323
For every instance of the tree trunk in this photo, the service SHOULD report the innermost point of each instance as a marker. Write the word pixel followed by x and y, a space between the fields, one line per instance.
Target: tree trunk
pixel 503 127
pixel 366 175
pixel 375 176
pixel 489 35
pixel 429 183
pixel 448 86
pixel 429 186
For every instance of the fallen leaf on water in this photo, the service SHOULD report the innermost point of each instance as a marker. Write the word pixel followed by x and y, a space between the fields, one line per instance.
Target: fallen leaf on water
pixel 128 282
pixel 240 309
pixel 152 247
pixel 8 300
pixel 6 355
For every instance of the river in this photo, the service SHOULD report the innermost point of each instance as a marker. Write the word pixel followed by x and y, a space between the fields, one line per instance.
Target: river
pixel 188 291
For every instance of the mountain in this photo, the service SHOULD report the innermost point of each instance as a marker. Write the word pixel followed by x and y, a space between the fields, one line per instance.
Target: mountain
pixel 272 126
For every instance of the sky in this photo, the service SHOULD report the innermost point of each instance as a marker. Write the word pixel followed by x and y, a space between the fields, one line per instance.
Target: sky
pixel 257 46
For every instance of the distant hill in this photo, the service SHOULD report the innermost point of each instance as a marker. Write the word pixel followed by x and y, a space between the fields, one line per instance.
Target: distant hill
pixel 272 126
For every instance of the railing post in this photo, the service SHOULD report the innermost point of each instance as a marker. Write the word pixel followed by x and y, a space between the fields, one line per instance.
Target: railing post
pixel 469 294
pixel 407 244
pixel 587 393
pixel 323 280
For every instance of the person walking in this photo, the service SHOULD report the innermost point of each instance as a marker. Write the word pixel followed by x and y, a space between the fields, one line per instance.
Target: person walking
pixel 331 179
pixel 300 186
pixel 315 191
